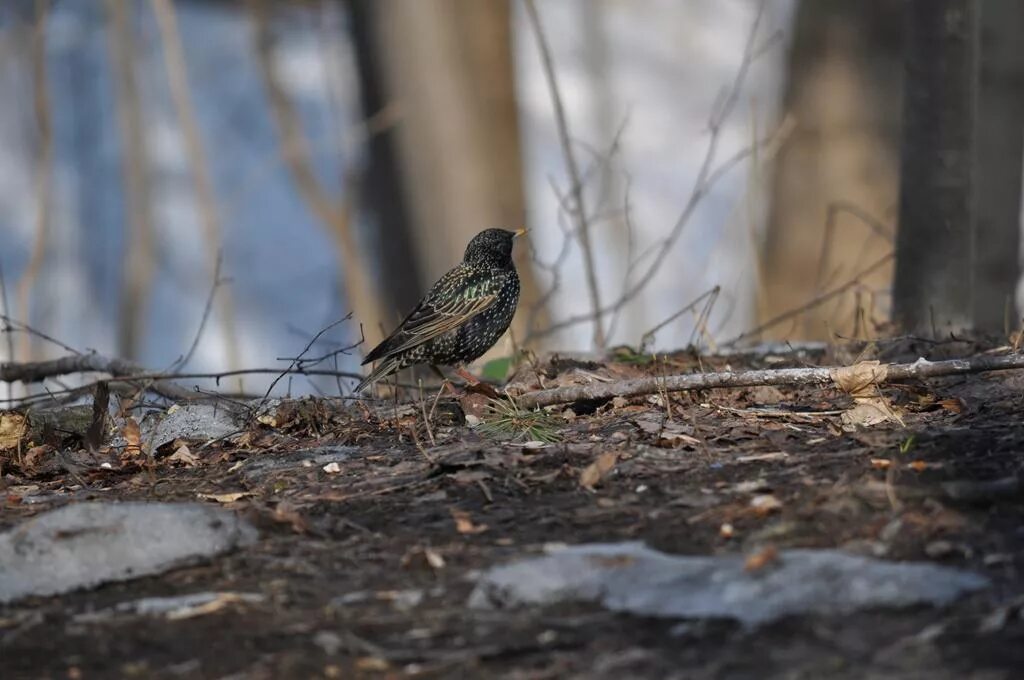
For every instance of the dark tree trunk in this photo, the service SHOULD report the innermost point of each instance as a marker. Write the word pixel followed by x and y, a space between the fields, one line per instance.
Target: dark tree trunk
pixel 835 182
pixel 934 245
pixel 382 199
pixel 453 157
pixel 999 145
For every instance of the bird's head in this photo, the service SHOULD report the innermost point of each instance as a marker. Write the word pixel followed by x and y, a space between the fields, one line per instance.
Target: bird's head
pixel 492 248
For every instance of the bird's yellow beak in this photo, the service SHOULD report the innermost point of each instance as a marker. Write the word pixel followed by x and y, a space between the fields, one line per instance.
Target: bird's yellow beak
pixel 520 232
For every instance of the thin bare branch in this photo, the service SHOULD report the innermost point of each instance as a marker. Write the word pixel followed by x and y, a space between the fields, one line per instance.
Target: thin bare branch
pixel 577 209
pixel 710 172
pixel 7 329
pixel 295 362
pixel 217 281
pixel 813 302
pixel 709 295
pixel 15 326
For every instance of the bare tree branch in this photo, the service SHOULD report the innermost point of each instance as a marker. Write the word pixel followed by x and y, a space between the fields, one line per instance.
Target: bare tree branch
pixel 814 302
pixel 576 209
pixel 217 281
pixel 37 371
pixel 710 172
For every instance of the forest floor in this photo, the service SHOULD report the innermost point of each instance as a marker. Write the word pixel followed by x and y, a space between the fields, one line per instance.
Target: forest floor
pixel 365 563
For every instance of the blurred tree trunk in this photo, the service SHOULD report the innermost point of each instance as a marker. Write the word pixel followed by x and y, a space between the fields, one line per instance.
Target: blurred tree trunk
pixel 932 288
pixel 835 183
pixel 999 143
pixel 138 263
pixel 447 67
pixel 382 197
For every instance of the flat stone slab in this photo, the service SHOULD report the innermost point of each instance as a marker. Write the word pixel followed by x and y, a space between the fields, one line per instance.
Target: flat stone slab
pixel 85 544
pixel 630 577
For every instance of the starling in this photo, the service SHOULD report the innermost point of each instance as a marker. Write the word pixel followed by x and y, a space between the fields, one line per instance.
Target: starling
pixel 462 315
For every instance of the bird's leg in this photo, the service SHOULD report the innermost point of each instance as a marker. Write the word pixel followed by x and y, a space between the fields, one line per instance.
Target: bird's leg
pixel 474 384
pixel 470 379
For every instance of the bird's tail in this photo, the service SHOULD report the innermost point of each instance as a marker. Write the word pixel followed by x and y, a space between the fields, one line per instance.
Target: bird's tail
pixel 385 368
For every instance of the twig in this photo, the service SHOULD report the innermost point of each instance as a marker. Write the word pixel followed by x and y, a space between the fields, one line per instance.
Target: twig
pixel 707 176
pixel 707 295
pixel 296 360
pixel 181 363
pixel 11 325
pixel 7 329
pixel 578 210
pixel 779 376
pixel 304 363
pixel 426 423
pixel 811 304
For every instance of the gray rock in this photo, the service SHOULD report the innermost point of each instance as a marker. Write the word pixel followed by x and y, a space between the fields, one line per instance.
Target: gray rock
pixel 629 577
pixel 194 422
pixel 85 544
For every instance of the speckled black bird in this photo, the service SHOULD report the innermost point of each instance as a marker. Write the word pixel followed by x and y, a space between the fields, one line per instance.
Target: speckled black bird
pixel 461 317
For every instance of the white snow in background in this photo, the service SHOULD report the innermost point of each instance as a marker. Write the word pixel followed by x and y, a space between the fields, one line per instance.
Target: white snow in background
pixel 670 63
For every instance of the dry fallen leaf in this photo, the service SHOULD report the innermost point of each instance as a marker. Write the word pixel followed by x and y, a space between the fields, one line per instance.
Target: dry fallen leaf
pixel 423 556
pixel 860 379
pixel 881 463
pixel 373 664
pixel 183 455
pixel 13 426
pixel 35 456
pixel 132 436
pixel 861 382
pixel 464 523
pixel 761 558
pixel 596 471
pixel 953 405
pixel 287 514
pixel 224 497
pixel 765 504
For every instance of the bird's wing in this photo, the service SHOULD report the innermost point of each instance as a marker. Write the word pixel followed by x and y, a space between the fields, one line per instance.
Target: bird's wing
pixel 457 297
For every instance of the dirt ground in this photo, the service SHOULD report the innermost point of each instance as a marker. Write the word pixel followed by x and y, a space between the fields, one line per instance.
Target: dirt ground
pixel 365 561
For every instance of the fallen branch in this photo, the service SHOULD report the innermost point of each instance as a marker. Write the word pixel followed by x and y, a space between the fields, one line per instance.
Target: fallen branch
pixel 37 371
pixel 779 376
